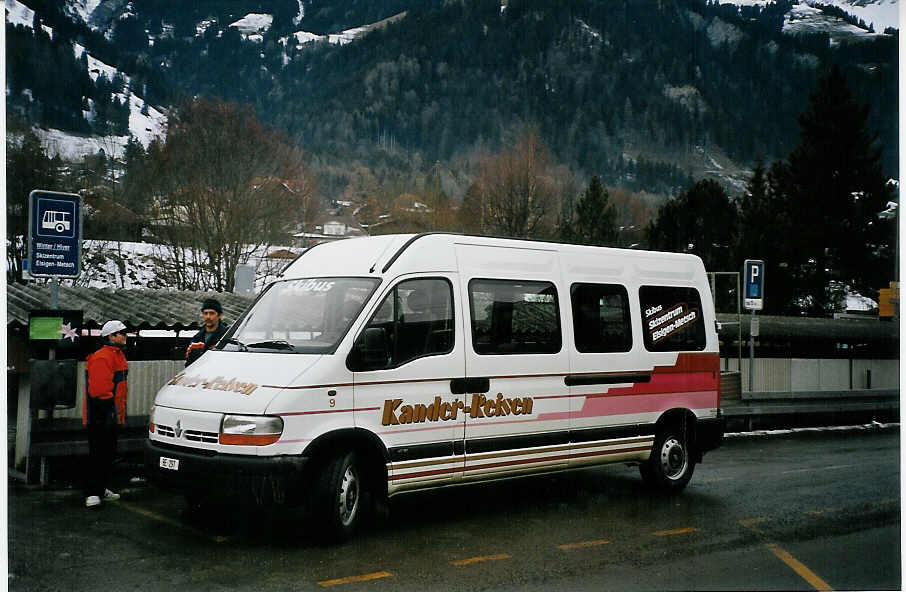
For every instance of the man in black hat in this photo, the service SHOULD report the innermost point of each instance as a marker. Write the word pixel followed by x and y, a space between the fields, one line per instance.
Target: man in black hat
pixel 214 329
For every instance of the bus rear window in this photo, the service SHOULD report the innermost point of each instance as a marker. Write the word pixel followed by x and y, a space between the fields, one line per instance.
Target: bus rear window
pixel 672 318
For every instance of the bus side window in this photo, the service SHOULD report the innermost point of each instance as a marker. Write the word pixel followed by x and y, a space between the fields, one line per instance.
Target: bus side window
pixel 514 317
pixel 414 320
pixel 601 320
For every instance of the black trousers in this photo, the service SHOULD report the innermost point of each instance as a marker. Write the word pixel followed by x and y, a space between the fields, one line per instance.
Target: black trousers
pixel 102 430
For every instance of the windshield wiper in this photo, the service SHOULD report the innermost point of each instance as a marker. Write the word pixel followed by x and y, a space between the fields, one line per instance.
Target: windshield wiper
pixel 274 344
pixel 242 346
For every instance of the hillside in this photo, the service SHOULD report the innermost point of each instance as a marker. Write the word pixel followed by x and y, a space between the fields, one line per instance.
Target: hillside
pixel 645 94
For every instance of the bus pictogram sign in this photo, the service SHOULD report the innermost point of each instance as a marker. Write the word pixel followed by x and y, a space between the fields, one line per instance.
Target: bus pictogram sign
pixel 54 234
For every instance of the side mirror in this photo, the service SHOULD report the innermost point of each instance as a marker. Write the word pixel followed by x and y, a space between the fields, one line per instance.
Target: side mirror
pixel 370 351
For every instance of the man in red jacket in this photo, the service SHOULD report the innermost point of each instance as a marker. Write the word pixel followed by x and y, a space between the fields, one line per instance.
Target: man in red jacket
pixel 104 409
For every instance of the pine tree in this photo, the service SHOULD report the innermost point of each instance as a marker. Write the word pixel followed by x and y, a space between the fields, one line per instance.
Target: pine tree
pixel 594 220
pixel 763 218
pixel 835 190
pixel 701 220
pixel 27 168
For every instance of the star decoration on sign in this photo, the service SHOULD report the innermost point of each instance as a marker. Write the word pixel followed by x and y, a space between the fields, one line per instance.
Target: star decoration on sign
pixel 68 332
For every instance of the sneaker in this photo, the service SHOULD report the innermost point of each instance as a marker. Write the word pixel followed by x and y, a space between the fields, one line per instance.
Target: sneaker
pixel 110 496
pixel 92 501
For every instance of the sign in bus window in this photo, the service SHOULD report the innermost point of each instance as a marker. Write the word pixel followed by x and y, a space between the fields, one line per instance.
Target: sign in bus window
pixel 672 318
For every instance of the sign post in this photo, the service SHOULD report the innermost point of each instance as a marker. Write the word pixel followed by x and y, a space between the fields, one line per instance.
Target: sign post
pixel 753 299
pixel 54 239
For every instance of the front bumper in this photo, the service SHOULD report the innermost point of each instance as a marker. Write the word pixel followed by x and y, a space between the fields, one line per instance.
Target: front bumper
pixel 266 478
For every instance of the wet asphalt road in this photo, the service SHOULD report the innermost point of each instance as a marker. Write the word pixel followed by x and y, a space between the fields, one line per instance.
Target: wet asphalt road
pixel 810 511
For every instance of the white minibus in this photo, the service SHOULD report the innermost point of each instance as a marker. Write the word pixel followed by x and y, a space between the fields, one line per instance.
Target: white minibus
pixel 380 365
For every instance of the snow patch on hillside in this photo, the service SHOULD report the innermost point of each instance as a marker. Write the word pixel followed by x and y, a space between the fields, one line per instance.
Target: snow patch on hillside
pixel 253 26
pixel 19 14
pixel 82 9
pixel 808 19
pixel 880 14
pixel 143 127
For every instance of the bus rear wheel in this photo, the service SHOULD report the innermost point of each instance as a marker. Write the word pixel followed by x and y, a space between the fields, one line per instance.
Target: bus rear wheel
pixel 671 464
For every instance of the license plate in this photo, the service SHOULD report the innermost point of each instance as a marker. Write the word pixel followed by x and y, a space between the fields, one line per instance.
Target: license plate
pixel 169 463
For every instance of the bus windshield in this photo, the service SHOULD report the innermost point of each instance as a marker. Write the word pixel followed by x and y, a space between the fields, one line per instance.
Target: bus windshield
pixel 308 315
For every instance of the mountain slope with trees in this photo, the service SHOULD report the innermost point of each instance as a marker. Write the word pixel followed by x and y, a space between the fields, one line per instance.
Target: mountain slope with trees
pixel 644 94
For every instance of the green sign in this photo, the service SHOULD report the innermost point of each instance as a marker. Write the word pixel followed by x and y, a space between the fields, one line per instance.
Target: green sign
pixel 45 328
pixel 60 328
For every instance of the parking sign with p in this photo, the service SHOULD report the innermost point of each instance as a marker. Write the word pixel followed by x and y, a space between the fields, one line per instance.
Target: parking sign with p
pixel 753 295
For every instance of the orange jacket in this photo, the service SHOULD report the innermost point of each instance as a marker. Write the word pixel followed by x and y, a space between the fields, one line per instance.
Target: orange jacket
pixel 105 377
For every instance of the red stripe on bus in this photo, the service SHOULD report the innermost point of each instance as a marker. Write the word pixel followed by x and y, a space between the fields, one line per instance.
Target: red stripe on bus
pixel 290 413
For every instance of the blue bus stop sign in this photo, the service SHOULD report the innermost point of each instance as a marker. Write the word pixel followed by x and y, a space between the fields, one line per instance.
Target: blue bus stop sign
pixel 753 295
pixel 54 234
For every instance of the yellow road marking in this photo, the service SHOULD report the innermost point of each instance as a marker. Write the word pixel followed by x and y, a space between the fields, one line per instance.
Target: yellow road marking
pixel 353 579
pixel 582 545
pixel 796 565
pixel 674 531
pixel 714 479
pixel 471 560
pixel 826 468
pixel 803 572
pixel 888 501
pixel 820 511
pixel 155 516
pixel 752 524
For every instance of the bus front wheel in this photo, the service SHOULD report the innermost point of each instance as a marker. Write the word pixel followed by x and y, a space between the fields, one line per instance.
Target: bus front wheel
pixel 337 503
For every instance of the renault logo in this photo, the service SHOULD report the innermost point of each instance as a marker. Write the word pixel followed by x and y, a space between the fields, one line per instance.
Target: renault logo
pixel 178 428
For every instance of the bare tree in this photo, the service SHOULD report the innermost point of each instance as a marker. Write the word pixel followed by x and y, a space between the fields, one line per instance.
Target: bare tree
pixel 517 190
pixel 224 187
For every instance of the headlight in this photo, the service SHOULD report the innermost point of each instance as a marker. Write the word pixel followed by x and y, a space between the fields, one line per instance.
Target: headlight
pixel 151 419
pixel 250 430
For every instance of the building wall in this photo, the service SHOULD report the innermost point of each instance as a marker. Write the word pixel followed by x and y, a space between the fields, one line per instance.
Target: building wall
pixel 807 375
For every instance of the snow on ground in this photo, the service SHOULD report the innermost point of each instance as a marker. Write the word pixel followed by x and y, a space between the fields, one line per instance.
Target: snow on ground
pixel 857 302
pixel 139 270
pixel 875 425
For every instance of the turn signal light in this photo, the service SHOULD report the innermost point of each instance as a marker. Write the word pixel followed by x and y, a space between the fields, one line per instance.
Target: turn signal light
pixel 249 439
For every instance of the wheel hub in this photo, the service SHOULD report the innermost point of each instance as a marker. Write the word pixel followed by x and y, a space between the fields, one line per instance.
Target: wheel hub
pixel 349 496
pixel 673 459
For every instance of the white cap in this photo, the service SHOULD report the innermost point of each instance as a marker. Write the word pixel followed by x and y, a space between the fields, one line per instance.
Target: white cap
pixel 111 327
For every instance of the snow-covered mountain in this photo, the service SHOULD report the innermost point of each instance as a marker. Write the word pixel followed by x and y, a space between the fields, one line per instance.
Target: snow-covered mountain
pixel 145 122
pixel 98 14
pixel 806 16
pixel 288 35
